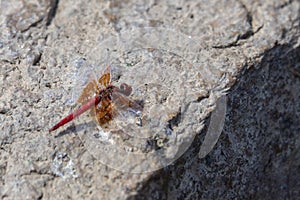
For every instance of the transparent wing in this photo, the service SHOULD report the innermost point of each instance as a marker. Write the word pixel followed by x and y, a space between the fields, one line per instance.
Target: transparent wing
pixel 124 105
pixel 90 90
pixel 126 113
pixel 93 88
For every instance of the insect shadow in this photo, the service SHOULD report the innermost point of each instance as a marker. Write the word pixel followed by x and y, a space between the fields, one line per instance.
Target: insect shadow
pixel 74 129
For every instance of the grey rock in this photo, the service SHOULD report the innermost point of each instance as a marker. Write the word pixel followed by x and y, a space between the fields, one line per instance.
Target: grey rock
pixel 180 57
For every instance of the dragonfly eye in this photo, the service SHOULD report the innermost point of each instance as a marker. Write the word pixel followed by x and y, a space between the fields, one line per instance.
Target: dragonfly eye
pixel 125 89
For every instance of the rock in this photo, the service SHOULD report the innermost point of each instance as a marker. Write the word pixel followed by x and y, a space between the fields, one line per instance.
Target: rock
pixel 180 57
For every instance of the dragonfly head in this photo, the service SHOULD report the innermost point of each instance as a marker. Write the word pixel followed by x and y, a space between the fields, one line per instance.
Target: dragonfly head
pixel 125 89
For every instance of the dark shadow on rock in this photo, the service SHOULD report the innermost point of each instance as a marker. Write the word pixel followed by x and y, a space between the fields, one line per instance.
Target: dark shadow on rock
pixel 74 129
pixel 257 155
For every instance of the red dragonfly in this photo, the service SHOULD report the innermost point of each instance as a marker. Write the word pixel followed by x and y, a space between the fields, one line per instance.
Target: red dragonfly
pixel 104 100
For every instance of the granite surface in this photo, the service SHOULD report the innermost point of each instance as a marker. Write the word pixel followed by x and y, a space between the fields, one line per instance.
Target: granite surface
pixel 218 82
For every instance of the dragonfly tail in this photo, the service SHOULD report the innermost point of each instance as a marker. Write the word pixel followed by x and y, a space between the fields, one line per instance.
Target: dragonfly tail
pixel 82 109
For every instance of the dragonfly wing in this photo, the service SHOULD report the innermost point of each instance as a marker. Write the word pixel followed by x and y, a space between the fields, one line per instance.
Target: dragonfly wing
pixel 115 108
pixel 105 79
pixel 93 88
pixel 122 105
pixel 88 92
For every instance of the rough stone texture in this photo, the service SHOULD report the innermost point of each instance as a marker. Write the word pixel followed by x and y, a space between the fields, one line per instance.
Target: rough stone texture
pixel 257 156
pixel 249 48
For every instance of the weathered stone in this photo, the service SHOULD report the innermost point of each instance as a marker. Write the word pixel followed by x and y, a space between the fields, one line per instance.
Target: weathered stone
pixel 180 57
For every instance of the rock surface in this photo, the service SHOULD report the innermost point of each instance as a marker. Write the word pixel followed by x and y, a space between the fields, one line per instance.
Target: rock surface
pixel 194 53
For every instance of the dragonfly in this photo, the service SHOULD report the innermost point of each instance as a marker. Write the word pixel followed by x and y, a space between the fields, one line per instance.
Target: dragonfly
pixel 105 102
